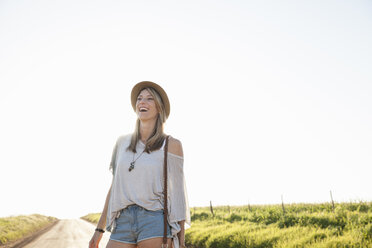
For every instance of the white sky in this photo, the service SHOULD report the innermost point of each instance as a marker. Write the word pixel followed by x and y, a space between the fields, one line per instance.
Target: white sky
pixel 269 98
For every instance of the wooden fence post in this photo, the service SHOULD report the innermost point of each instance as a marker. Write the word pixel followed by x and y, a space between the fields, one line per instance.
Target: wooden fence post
pixel 333 203
pixel 211 207
pixel 283 206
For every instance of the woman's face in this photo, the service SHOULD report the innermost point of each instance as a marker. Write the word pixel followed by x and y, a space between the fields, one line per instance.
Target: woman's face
pixel 145 106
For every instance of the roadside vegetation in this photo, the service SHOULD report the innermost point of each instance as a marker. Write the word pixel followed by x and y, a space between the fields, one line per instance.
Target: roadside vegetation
pixel 17 227
pixel 291 225
pixel 278 226
pixel 93 218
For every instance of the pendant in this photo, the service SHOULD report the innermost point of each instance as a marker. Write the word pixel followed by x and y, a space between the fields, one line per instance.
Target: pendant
pixel 131 166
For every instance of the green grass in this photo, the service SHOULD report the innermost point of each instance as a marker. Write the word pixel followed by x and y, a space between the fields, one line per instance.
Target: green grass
pixel 17 227
pixel 94 218
pixel 303 225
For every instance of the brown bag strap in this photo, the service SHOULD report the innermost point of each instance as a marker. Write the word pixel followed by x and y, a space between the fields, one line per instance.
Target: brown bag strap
pixel 165 192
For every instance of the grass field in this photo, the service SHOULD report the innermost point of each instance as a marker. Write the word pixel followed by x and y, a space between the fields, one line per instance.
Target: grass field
pixel 17 227
pixel 94 218
pixel 302 225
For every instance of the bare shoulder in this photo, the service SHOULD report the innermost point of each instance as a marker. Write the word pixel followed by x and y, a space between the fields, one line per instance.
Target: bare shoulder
pixel 175 147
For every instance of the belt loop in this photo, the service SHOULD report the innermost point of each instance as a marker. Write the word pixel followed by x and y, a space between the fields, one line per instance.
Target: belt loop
pixel 118 214
pixel 114 226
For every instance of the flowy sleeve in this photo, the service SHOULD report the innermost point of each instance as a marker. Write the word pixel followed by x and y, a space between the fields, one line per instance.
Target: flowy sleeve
pixel 113 157
pixel 178 204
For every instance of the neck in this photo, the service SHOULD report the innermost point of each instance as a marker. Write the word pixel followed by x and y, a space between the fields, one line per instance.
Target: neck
pixel 146 129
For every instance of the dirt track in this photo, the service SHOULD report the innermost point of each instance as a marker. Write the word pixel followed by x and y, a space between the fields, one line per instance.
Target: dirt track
pixel 73 233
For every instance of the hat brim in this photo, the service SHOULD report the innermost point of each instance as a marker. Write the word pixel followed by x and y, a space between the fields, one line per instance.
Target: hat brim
pixel 148 84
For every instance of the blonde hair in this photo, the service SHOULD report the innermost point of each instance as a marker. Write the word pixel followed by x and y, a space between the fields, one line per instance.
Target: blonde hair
pixel 157 137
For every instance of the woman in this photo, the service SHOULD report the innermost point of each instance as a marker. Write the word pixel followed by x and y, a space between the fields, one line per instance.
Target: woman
pixel 133 210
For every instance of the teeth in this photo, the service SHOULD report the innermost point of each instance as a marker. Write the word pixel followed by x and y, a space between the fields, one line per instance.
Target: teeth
pixel 143 109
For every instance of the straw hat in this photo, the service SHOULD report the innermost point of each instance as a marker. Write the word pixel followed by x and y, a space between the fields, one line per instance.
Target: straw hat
pixel 147 84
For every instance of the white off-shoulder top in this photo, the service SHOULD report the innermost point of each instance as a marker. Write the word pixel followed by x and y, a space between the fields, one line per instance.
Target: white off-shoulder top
pixel 144 184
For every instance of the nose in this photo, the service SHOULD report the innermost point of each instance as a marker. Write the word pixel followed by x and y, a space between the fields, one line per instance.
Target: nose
pixel 140 101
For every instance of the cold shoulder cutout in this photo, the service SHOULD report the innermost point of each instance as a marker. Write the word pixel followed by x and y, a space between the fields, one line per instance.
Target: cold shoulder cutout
pixel 175 147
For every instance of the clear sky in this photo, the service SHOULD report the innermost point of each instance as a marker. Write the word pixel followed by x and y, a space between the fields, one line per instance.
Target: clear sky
pixel 269 98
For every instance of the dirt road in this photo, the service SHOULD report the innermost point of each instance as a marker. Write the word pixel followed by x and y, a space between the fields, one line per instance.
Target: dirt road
pixel 74 233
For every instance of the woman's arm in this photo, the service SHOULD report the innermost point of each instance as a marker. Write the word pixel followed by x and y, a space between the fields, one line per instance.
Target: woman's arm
pixel 102 221
pixel 97 236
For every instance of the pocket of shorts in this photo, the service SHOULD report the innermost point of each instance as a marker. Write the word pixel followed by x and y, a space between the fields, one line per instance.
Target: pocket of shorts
pixel 122 219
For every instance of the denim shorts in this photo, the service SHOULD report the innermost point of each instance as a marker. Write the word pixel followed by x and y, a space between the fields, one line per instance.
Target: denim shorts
pixel 136 224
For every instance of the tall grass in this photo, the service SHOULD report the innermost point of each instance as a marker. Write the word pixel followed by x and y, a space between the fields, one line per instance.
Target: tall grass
pixel 302 225
pixel 94 218
pixel 14 228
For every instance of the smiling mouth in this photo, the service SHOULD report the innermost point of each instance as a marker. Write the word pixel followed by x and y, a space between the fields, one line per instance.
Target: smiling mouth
pixel 143 110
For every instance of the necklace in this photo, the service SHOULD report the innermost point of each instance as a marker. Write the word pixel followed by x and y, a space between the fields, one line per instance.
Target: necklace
pixel 131 167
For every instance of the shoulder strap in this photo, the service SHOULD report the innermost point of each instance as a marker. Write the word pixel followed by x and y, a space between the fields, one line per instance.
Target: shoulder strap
pixel 165 171
pixel 165 140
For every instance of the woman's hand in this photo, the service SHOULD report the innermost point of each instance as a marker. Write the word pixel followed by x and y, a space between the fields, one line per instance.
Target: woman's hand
pixel 181 234
pixel 182 241
pixel 94 242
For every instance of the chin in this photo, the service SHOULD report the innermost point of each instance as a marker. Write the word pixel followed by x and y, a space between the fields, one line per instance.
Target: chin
pixel 146 118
